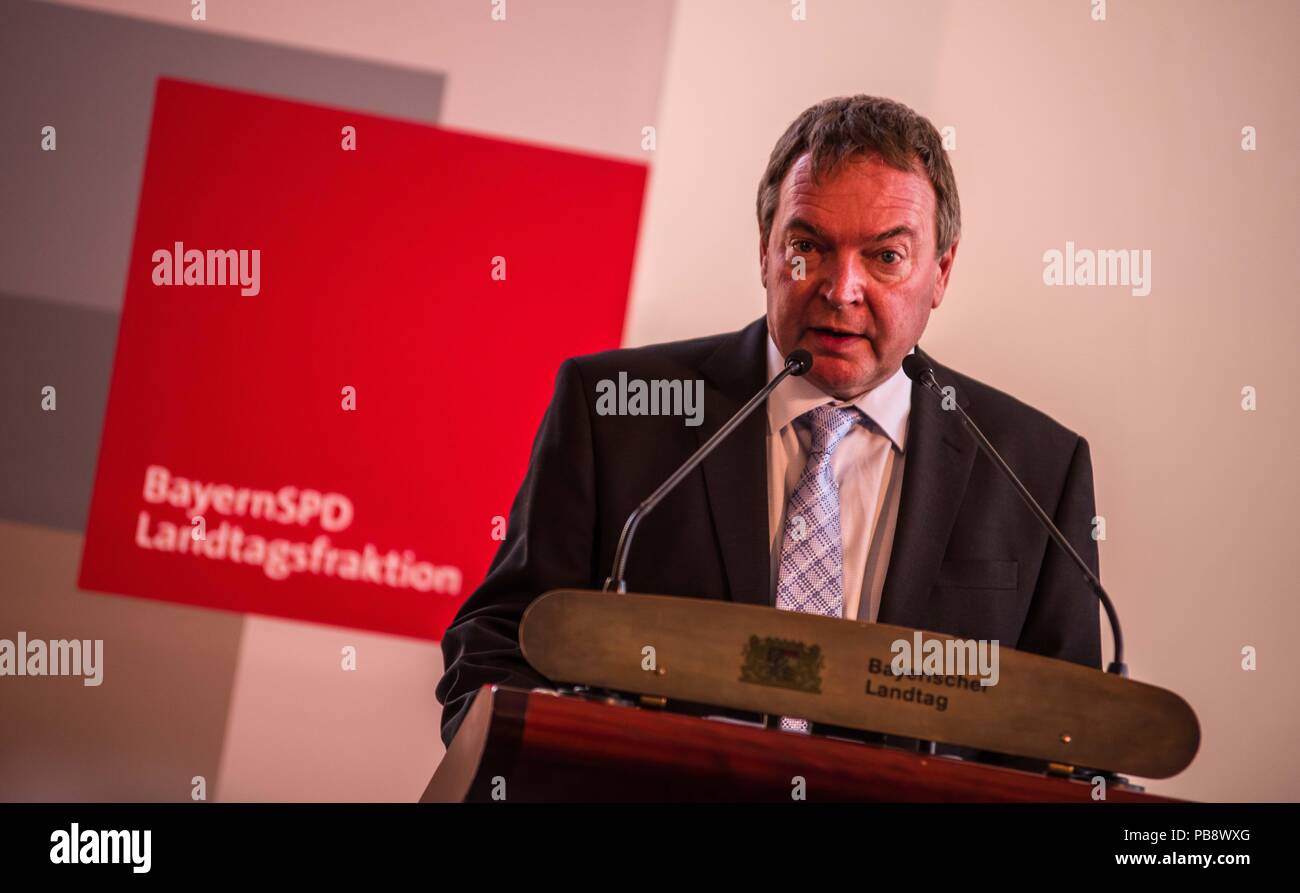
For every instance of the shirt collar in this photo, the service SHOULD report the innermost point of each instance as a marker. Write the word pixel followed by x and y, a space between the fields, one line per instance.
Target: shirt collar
pixel 888 404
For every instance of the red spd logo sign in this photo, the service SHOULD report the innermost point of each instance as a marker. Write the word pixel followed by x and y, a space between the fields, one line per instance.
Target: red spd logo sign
pixel 338 338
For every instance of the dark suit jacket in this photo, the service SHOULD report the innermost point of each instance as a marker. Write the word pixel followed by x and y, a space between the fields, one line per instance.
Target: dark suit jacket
pixel 968 557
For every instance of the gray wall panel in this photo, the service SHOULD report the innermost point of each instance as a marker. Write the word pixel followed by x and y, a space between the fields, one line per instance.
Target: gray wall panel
pixel 67 217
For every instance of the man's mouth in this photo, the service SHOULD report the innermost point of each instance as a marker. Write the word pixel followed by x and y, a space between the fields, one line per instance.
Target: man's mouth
pixel 835 339
pixel 836 334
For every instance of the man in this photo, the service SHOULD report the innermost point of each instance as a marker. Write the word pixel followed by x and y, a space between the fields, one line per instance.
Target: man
pixel 859 222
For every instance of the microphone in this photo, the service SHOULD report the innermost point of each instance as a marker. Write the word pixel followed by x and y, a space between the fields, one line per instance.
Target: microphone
pixel 920 372
pixel 797 362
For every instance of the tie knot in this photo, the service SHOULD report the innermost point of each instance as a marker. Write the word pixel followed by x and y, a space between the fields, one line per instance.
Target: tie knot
pixel 829 425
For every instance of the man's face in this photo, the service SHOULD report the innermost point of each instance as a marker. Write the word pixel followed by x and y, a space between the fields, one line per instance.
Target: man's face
pixel 867 237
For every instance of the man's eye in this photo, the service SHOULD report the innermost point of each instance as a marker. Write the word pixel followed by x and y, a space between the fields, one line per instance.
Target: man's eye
pixel 887 254
pixel 799 246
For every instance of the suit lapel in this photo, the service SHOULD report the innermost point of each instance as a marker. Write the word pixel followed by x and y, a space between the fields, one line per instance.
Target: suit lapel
pixel 735 473
pixel 940 454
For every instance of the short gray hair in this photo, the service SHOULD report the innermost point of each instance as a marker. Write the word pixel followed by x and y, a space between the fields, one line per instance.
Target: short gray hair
pixel 849 126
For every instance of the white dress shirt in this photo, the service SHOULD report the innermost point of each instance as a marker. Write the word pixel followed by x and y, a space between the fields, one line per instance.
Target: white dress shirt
pixel 867 467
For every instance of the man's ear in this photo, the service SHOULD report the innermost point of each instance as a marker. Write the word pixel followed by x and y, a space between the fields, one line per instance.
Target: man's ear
pixel 941 278
pixel 762 259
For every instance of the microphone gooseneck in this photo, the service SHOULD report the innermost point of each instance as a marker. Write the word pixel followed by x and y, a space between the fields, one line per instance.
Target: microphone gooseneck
pixel 920 372
pixel 797 362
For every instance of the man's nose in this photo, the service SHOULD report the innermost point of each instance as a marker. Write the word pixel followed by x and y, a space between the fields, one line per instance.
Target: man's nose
pixel 848 280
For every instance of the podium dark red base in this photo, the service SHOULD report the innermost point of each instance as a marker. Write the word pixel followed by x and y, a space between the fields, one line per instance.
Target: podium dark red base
pixel 539 746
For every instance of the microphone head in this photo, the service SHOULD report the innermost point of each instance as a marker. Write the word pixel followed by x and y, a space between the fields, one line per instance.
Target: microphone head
pixel 802 360
pixel 917 369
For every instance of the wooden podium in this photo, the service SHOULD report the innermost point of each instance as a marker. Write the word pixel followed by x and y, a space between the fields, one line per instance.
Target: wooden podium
pixel 542 746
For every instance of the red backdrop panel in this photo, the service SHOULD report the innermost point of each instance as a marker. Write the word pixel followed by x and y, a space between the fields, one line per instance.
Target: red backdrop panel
pixel 375 274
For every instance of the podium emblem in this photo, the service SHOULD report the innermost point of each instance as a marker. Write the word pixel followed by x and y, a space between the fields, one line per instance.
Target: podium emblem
pixel 782 663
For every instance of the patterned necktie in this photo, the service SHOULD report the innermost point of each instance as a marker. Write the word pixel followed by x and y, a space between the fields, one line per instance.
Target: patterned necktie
pixel 811 577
